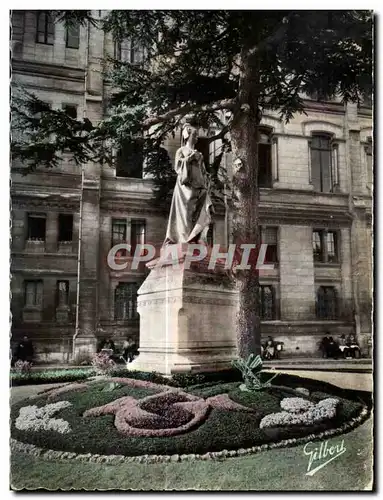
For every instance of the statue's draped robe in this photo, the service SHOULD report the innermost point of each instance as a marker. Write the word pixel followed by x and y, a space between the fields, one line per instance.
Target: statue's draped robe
pixel 190 216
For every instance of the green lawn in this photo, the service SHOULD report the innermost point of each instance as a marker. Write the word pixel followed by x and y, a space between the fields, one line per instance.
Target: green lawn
pixel 270 470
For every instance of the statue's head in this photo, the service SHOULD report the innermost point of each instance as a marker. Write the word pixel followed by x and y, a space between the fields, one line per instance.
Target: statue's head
pixel 189 133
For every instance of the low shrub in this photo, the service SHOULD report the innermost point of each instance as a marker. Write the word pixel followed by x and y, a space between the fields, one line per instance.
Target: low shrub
pixel 50 376
pixel 23 367
pixel 103 364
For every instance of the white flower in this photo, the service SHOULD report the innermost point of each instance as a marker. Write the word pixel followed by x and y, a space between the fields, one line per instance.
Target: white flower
pixel 296 405
pixel 32 418
pixel 324 410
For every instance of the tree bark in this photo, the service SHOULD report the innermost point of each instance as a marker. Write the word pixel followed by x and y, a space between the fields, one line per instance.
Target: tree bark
pixel 244 141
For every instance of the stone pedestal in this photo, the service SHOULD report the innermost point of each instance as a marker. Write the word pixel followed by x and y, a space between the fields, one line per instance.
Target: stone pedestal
pixel 187 319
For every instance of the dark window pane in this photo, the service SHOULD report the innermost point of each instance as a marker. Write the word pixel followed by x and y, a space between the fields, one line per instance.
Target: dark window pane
pixel 267 302
pixel 62 293
pixel 119 229
pixel 317 246
pixel 203 146
pixel 126 301
pixel 130 160
pixel 73 36
pixel 264 165
pixel 332 250
pixel 65 227
pixel 316 169
pixel 36 227
pixel 33 293
pixel 326 171
pixel 45 28
pixel 269 235
pixel 70 110
pixel 327 303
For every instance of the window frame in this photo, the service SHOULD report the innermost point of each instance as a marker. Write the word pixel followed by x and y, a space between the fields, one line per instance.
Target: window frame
pixel 137 223
pixel 324 246
pixel 61 216
pixel 128 47
pixel 262 308
pixel 267 131
pixel 132 311
pixel 322 311
pixel 131 166
pixel 76 26
pixel 36 216
pixel 36 304
pixel 331 164
pixel 115 223
pixel 49 21
pixel 263 230
pixel 66 304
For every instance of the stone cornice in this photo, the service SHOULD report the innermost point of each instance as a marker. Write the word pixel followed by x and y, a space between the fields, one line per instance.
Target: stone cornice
pixel 48 70
pixel 49 202
pixel 324 107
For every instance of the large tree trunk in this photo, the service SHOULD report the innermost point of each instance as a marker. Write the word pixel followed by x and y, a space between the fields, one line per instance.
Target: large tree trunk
pixel 244 141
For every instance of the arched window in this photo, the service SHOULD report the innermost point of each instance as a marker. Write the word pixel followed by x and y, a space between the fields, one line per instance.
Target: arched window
pixel 125 301
pixel 327 303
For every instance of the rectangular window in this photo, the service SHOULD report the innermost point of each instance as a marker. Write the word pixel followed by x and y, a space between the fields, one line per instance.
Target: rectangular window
pixel 125 301
pixel 269 235
pixel 17 25
pixel 264 159
pixel 137 234
pixel 119 232
pixel 36 227
pixel 62 293
pixel 45 32
pixel 327 303
pixel 368 150
pixel 267 302
pixel 73 36
pixel 70 110
pixel 65 227
pixel 321 166
pixel 130 160
pixel 33 293
pixel 325 246
pixel 128 51
pixel 317 246
pixel 332 247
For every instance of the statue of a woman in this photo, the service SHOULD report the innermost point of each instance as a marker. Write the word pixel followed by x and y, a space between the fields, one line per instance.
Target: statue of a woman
pixel 189 217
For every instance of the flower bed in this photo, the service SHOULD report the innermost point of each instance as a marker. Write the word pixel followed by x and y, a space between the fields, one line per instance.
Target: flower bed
pixel 133 418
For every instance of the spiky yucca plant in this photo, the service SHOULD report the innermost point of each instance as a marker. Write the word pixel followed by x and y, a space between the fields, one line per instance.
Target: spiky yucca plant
pixel 251 370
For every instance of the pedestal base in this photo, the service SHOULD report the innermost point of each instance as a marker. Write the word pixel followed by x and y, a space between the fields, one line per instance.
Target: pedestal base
pixel 187 320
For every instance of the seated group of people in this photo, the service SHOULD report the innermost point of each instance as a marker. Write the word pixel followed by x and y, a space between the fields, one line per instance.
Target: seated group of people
pixel 346 347
pixel 129 349
pixel 270 349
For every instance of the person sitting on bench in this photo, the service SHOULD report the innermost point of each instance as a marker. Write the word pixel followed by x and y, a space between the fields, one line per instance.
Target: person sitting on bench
pixel 343 347
pixel 353 346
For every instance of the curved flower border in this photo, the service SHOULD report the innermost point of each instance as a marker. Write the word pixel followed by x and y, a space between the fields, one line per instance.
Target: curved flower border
pixel 33 450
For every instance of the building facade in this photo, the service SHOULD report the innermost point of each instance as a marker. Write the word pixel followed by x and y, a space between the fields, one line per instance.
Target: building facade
pixel 316 197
